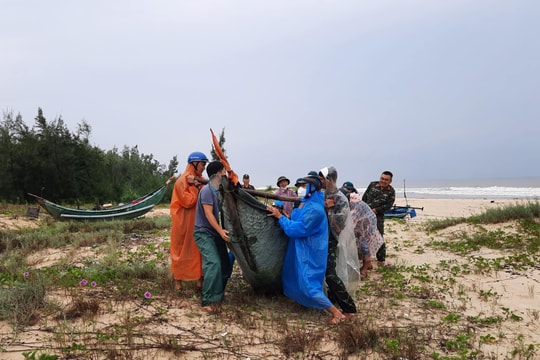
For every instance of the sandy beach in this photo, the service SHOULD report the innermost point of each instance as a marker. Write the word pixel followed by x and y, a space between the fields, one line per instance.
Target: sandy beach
pixel 513 289
pixel 509 291
pixel 444 208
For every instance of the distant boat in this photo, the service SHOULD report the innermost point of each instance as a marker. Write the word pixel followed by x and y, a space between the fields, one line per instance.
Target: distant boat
pixel 400 212
pixel 131 210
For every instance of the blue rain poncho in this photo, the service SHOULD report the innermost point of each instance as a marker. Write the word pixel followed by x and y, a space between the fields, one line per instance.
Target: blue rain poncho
pixel 304 266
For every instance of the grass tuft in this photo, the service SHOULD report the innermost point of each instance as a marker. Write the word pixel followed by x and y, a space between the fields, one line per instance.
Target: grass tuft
pixel 300 341
pixel 21 303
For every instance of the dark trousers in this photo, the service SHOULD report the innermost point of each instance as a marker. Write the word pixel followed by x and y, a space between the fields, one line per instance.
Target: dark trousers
pixel 337 293
pixel 381 253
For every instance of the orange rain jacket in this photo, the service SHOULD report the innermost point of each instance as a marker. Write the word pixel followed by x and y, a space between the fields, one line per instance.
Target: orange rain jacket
pixel 186 264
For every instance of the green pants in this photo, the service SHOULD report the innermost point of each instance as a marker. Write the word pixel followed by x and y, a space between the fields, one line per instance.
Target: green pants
pixel 216 266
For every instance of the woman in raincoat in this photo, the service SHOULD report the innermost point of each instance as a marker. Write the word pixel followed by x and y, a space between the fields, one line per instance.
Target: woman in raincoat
pixel 186 263
pixel 368 237
pixel 304 266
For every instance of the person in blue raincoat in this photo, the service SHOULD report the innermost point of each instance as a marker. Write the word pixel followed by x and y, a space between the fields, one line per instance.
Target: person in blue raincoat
pixel 304 266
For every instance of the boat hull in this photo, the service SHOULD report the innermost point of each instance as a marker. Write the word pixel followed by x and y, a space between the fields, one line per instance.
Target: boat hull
pixel 131 210
pixel 257 241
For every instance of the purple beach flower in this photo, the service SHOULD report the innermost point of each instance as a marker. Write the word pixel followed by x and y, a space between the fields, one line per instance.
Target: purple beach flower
pixel 26 274
pixel 83 282
pixel 147 295
pixel 93 283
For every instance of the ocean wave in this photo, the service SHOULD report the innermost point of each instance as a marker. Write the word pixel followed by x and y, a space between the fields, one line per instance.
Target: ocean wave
pixel 474 192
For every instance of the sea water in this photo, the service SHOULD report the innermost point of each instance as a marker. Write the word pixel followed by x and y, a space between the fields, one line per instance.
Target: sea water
pixel 512 188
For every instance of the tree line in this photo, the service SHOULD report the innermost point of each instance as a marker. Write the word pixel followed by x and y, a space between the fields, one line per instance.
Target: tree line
pixel 49 160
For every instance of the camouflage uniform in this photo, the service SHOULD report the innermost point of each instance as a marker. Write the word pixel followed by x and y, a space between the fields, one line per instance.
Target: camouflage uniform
pixel 337 292
pixel 380 199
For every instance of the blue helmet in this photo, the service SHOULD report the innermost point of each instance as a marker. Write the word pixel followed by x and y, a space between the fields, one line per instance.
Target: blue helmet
pixel 196 156
pixel 278 204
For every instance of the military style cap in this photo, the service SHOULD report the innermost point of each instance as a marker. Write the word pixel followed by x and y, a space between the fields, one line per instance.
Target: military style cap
pixel 349 186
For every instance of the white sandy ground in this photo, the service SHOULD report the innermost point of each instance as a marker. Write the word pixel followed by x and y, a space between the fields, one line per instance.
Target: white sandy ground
pixel 516 290
pixel 485 295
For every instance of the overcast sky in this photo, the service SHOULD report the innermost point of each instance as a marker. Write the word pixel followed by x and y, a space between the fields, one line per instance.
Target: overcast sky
pixel 427 89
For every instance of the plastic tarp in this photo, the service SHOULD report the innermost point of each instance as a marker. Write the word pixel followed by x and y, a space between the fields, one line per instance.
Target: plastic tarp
pixel 347 265
pixel 341 227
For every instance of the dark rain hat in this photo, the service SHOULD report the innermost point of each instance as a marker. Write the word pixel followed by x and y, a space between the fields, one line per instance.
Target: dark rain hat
pixel 299 181
pixel 349 186
pixel 282 178
pixel 246 176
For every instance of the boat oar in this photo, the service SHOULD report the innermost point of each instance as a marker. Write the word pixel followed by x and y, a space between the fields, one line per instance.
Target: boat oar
pixel 408 207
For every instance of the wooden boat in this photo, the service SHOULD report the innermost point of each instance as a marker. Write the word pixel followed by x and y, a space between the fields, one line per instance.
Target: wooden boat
pixel 131 210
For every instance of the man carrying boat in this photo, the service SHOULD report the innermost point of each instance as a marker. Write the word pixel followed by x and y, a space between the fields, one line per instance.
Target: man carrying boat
pixel 307 230
pixel 185 255
pixel 211 238
pixel 338 212
pixel 380 196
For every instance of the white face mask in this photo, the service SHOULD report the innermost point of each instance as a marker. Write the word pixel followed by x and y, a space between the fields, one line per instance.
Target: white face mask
pixel 301 191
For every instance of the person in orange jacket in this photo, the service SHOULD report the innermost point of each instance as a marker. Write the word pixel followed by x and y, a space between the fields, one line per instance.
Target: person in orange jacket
pixel 186 263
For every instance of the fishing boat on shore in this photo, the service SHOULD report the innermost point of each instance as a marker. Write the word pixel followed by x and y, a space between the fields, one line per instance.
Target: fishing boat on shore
pixel 131 210
pixel 402 211
pixel 257 240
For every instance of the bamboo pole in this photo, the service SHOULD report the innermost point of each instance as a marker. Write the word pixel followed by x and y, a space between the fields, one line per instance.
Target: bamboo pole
pixel 268 195
pixel 260 193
